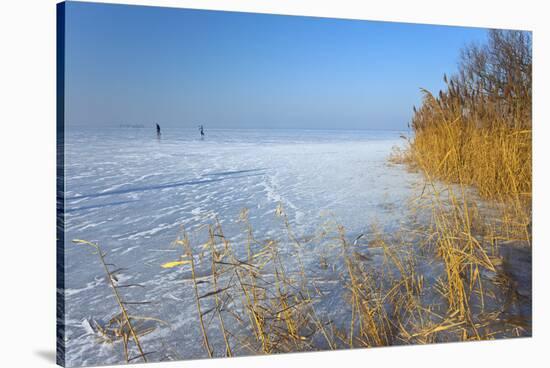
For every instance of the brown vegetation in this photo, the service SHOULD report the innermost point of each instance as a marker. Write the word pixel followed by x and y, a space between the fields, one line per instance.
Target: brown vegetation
pixel 443 278
pixel 478 131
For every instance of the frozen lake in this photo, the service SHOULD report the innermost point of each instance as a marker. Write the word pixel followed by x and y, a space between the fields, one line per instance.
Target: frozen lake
pixel 132 193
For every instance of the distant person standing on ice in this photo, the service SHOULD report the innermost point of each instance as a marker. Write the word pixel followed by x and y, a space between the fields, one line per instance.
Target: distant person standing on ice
pixel 158 131
pixel 201 129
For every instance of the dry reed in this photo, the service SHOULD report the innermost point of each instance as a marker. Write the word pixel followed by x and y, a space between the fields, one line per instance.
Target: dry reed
pixel 443 280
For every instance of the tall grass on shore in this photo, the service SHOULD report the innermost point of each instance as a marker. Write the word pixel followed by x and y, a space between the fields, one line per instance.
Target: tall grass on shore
pixel 441 278
pixel 256 293
pixel 442 281
pixel 478 132
pixel 265 305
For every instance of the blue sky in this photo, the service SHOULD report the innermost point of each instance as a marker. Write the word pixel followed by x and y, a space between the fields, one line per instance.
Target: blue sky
pixel 179 67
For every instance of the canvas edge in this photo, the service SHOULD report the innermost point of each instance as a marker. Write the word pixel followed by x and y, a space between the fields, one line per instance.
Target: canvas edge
pixel 60 184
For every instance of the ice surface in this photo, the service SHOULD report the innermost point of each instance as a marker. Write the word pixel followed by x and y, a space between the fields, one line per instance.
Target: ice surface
pixel 132 193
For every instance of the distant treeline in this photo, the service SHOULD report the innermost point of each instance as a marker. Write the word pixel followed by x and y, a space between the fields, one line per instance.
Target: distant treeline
pixel 132 126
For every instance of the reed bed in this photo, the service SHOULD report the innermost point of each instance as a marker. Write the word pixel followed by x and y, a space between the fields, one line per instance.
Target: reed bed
pixel 272 308
pixel 478 131
pixel 438 285
pixel 442 280
pixel 444 276
pixel 473 144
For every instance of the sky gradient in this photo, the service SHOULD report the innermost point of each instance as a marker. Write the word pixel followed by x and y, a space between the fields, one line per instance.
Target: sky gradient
pixel 179 67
